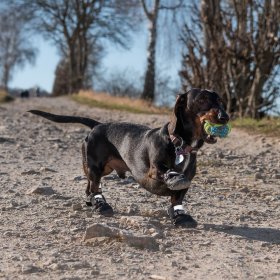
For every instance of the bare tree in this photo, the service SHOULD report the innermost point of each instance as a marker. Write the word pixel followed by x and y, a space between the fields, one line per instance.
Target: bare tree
pixel 79 27
pixel 152 13
pixel 15 47
pixel 234 47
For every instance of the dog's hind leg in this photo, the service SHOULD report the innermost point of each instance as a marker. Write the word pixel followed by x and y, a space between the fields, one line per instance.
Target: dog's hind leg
pixel 93 190
pixel 95 197
pixel 177 213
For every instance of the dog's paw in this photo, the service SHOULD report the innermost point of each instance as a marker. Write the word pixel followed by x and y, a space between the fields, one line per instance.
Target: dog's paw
pixel 99 204
pixel 179 218
pixel 185 220
pixel 176 181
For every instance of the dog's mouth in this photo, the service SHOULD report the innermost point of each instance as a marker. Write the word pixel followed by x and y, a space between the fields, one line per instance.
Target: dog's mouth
pixel 210 139
pixel 212 127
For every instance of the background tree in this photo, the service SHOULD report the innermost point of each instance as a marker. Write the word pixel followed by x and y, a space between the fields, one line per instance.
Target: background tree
pixel 79 27
pixel 15 47
pixel 233 47
pixel 153 10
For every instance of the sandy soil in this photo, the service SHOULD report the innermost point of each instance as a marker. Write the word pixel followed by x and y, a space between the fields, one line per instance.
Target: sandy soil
pixel 235 197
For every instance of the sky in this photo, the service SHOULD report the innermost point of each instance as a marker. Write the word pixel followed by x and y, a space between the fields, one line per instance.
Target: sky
pixel 41 74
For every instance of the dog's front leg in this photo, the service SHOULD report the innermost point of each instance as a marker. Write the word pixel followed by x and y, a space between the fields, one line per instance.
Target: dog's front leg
pixel 173 179
pixel 176 211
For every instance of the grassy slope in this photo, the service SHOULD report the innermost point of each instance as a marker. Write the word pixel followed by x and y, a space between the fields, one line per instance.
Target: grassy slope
pixel 105 101
pixel 4 97
pixel 267 126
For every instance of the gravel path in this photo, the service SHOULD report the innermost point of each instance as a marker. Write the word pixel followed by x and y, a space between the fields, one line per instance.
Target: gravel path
pixel 46 231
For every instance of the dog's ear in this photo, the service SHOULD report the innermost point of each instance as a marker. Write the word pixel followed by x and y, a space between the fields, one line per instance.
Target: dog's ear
pixel 180 105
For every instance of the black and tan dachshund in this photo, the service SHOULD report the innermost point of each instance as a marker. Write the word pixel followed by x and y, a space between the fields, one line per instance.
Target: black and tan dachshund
pixel 162 160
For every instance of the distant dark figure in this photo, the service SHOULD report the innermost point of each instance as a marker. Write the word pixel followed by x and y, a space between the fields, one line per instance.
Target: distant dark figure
pixel 24 94
pixel 38 92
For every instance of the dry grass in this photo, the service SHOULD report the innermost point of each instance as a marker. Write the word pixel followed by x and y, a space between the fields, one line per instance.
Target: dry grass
pixel 106 101
pixel 268 126
pixel 5 97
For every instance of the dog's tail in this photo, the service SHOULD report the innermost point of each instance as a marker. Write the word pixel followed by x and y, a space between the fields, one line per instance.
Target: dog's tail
pixel 65 119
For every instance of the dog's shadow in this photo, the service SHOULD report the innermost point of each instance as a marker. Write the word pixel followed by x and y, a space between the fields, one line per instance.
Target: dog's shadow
pixel 269 235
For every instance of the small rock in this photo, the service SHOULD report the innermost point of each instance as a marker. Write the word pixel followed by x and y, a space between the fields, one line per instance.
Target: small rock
pixel 79 178
pixel 58 266
pixel 275 176
pixel 141 242
pixel 46 169
pixel 8 233
pixel 30 172
pixel 26 269
pixel 7 140
pixel 221 155
pixel 152 230
pixel 157 277
pixel 100 230
pixel 207 243
pixel 77 207
pixel 233 251
pixel 79 265
pixel 258 176
pixel 132 209
pixel 95 272
pixel 42 191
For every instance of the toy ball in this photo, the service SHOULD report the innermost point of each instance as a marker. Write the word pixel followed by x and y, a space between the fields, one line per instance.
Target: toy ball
pixel 218 130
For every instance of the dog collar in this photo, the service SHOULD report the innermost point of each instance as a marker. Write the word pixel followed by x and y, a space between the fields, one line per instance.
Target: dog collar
pixel 181 150
pixel 180 146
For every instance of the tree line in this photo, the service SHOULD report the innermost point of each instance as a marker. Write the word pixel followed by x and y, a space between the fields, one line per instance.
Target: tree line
pixel 230 46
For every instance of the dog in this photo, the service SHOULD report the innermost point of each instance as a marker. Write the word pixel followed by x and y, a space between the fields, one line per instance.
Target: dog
pixel 161 160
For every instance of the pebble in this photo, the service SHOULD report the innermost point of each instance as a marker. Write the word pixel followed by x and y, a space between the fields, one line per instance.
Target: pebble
pixel 258 176
pixel 275 176
pixel 30 172
pixel 77 207
pixel 207 243
pixel 132 209
pixel 47 169
pixel 139 241
pixel 157 277
pixel 58 266
pixel 79 178
pixel 29 268
pixel 42 190
pixel 95 272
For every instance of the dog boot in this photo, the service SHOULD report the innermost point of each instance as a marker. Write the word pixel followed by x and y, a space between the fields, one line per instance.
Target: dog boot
pixel 99 204
pixel 180 218
pixel 176 181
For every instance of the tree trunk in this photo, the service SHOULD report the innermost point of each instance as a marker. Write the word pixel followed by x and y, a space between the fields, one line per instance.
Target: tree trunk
pixel 6 76
pixel 149 83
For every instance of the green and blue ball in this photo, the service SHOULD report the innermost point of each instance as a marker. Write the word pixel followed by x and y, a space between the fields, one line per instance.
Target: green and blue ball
pixel 218 130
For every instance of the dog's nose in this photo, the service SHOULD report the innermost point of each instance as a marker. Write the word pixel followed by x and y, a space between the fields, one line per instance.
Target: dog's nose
pixel 223 116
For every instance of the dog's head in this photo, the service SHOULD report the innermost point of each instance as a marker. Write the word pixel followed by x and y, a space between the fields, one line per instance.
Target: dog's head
pixel 195 107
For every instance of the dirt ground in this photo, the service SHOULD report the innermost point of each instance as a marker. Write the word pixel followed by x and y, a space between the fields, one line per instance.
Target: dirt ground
pixel 235 197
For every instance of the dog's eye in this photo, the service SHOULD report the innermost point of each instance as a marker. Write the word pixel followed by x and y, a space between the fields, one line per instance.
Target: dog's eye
pixel 220 102
pixel 201 101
